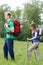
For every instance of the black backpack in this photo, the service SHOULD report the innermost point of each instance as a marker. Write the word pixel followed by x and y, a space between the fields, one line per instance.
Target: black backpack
pixel 38 31
pixel 38 35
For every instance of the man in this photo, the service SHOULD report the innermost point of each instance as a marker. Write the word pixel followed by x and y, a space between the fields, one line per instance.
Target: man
pixel 8 46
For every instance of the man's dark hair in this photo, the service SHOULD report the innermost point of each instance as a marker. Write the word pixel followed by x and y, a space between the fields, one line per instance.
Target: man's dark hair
pixel 9 14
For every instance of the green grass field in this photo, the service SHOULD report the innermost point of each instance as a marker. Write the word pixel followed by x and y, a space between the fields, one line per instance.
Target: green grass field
pixel 20 49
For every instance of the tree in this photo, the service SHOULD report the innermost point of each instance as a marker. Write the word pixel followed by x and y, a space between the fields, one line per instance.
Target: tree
pixel 2 21
pixel 5 7
pixel 18 14
pixel 32 12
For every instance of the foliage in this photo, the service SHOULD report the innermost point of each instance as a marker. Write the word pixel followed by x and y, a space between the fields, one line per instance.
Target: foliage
pixel 31 13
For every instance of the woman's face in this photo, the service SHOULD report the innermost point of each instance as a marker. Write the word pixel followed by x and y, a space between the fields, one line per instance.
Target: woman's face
pixel 31 27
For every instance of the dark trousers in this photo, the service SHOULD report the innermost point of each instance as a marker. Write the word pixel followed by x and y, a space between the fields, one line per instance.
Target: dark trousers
pixel 8 47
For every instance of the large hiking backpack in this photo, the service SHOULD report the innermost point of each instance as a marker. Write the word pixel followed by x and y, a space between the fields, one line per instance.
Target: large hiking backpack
pixel 16 28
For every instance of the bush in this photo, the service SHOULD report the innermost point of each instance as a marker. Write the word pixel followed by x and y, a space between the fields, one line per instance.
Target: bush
pixel 25 32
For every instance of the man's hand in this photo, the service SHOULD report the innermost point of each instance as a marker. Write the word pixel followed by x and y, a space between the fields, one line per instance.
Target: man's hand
pixel 6 25
pixel 11 29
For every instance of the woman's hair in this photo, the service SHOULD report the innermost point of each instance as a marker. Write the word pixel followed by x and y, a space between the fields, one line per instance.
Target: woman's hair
pixel 33 25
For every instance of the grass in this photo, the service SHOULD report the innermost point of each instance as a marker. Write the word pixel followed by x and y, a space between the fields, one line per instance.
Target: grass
pixel 20 49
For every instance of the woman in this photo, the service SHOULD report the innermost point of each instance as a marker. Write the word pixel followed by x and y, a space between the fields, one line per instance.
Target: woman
pixel 35 45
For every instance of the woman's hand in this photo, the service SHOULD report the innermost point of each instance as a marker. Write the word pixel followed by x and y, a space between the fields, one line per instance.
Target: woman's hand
pixel 29 39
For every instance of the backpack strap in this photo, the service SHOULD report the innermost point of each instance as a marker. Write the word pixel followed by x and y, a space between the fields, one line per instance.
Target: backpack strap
pixel 38 35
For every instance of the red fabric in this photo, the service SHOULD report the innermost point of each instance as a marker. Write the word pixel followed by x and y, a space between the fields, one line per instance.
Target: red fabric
pixel 16 28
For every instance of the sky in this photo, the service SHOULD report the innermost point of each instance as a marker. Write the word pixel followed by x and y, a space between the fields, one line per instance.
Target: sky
pixel 15 3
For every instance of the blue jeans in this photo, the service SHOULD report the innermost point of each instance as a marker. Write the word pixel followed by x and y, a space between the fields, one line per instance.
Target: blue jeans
pixel 8 47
